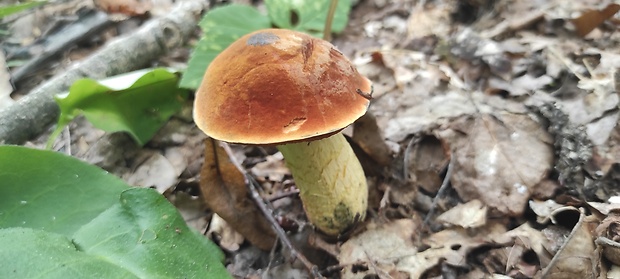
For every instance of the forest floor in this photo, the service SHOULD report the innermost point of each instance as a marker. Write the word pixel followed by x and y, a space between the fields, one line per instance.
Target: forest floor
pixel 490 146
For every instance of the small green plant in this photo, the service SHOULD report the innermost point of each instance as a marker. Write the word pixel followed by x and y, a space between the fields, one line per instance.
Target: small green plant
pixel 138 103
pixel 12 9
pixel 63 218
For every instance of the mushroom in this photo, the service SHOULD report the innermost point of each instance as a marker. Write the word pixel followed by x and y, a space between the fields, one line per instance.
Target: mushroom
pixel 285 88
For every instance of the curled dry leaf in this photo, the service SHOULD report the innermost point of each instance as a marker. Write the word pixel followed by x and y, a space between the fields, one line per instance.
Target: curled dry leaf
pixel 426 162
pixel 227 237
pixel 544 210
pixel 386 249
pixel 529 238
pixel 224 190
pixel 591 19
pixel 472 214
pixel 490 164
pixel 369 137
pixel 577 257
pixel 126 7
pixel 154 171
pixel 608 232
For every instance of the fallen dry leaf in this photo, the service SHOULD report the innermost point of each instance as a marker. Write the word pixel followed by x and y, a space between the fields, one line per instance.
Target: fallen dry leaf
pixel 225 235
pixel 472 214
pixel 155 171
pixel 591 19
pixel 489 159
pixel 529 238
pixel 544 210
pixel 382 249
pixel 427 159
pixel 224 190
pixel 126 7
pixel 369 137
pixel 576 258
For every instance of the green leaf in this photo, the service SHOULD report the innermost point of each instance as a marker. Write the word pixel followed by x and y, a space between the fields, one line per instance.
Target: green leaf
pixel 9 10
pixel 28 253
pixel 52 192
pixel 309 15
pixel 138 103
pixel 221 27
pixel 144 228
pixel 79 222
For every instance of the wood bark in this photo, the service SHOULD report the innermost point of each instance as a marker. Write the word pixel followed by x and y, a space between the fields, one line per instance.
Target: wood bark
pixel 35 112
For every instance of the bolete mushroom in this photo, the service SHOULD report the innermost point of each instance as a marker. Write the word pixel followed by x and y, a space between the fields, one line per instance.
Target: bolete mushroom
pixel 285 88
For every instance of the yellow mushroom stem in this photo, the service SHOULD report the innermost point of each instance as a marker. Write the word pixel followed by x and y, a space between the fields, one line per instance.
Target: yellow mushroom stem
pixel 331 182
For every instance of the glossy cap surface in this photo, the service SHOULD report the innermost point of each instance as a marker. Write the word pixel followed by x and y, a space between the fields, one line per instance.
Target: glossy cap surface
pixel 275 86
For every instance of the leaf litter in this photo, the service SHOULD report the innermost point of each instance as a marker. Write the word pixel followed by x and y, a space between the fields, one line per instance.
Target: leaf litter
pixel 519 98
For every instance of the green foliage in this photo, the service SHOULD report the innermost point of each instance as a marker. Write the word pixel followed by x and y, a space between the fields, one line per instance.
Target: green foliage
pixel 310 15
pixel 138 103
pixel 9 10
pixel 221 27
pixel 62 218
pixel 224 25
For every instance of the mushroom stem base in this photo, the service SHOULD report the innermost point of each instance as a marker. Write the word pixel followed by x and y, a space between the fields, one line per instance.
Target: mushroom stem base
pixel 331 182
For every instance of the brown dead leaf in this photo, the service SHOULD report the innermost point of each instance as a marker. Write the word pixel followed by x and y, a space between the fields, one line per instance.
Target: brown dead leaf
pixel 499 160
pixel 154 170
pixel 432 21
pixel 226 236
pixel 426 161
pixel 224 190
pixel 591 19
pixel 382 249
pixel 126 7
pixel 456 243
pixel 577 257
pixel 472 214
pixel 544 210
pixel 369 137
pixel 529 239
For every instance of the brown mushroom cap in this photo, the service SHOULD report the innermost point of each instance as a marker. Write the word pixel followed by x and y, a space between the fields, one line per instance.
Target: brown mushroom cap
pixel 275 86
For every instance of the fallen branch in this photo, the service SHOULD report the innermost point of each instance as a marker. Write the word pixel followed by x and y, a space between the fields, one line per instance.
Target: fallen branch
pixel 52 45
pixel 32 114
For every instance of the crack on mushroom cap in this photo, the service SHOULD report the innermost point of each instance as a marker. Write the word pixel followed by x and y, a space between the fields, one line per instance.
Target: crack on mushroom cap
pixel 294 124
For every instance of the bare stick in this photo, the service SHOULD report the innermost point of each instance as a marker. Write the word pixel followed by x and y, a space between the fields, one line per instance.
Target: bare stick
pixel 327 31
pixel 442 189
pixel 253 187
pixel 33 114
pixel 55 44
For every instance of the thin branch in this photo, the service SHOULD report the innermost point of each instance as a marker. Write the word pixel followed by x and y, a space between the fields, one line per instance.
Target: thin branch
pixel 253 187
pixel 35 112
pixel 442 189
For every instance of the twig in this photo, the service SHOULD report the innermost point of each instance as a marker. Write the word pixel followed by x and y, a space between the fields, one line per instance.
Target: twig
pixel 87 25
pixel 32 114
pixel 253 187
pixel 327 30
pixel 292 192
pixel 442 189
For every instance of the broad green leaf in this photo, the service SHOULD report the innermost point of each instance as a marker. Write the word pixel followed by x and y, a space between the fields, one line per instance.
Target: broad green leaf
pixel 144 228
pixel 221 27
pixel 137 103
pixel 29 253
pixel 11 9
pixel 52 192
pixel 309 15
pixel 79 222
